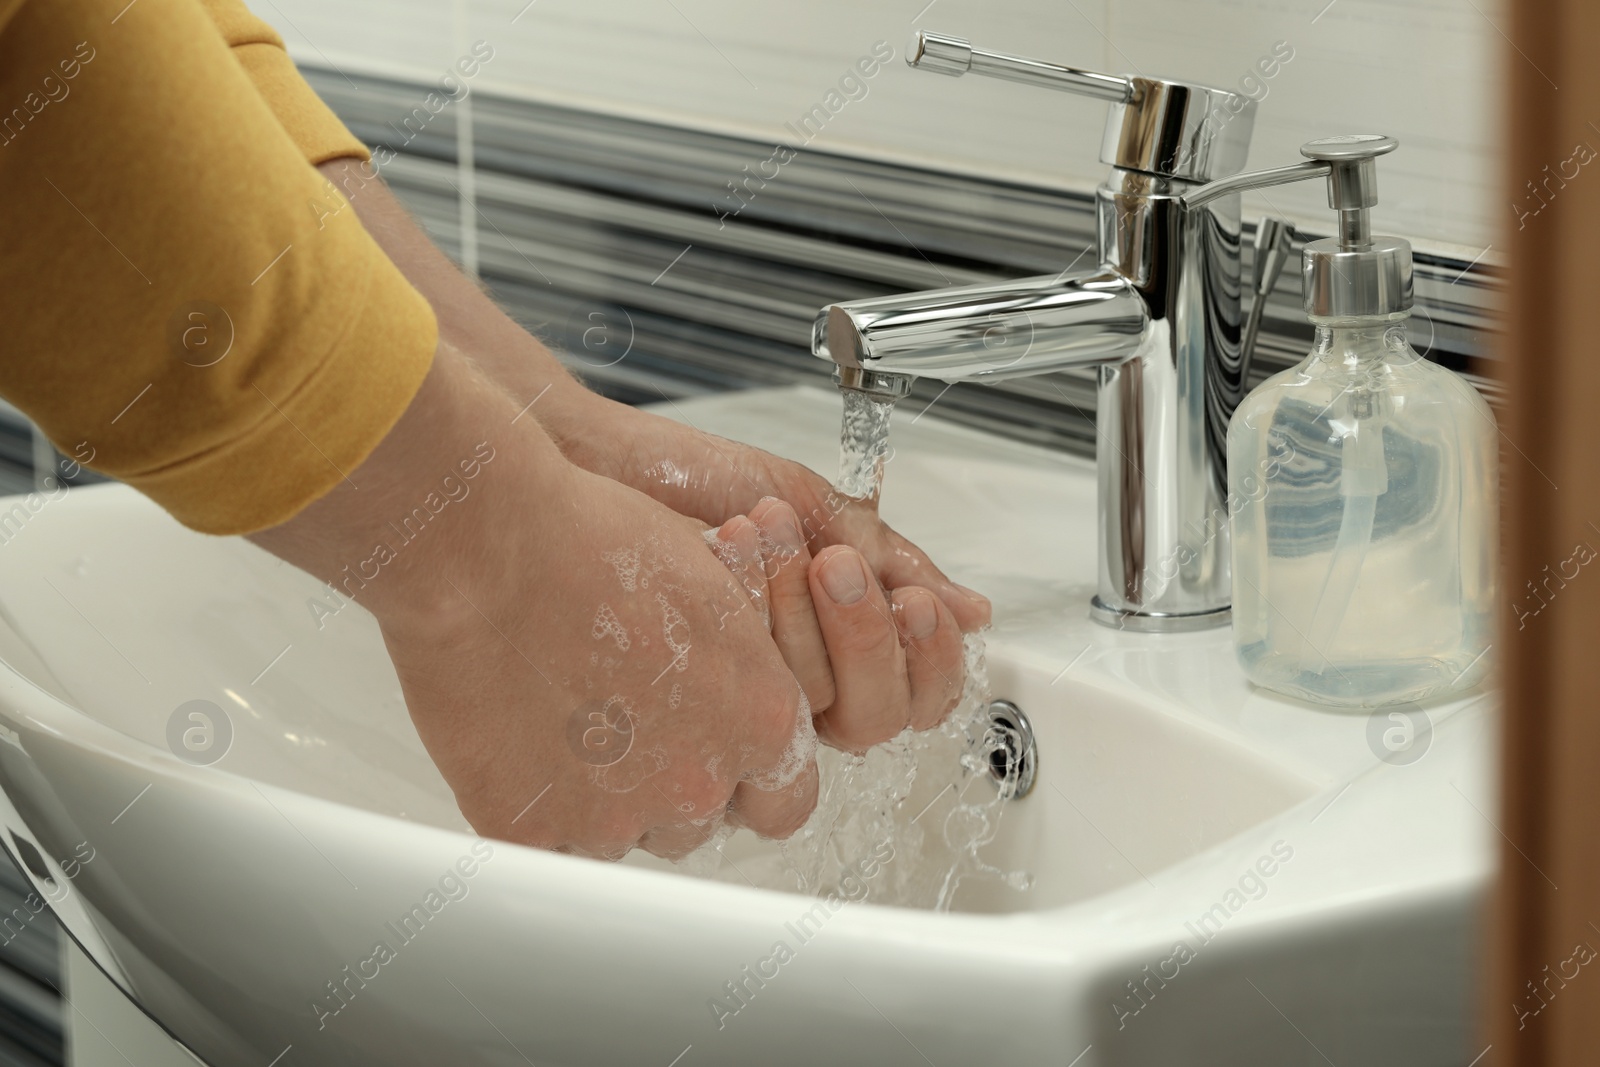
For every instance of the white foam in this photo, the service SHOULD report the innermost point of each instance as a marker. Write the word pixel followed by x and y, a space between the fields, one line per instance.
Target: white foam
pixel 672 620
pixel 606 624
pixel 637 565
pixel 795 759
pixel 746 571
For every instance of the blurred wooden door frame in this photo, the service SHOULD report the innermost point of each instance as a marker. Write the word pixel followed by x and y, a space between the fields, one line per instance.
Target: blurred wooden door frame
pixel 1542 989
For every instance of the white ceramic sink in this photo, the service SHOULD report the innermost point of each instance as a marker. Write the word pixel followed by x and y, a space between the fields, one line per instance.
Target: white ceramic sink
pixel 1325 898
pixel 1126 788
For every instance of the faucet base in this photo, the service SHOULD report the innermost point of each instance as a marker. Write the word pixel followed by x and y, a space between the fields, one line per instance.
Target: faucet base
pixel 1156 623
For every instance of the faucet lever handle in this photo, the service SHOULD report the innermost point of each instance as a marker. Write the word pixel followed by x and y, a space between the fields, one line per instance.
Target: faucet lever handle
pixel 1157 126
pixel 955 56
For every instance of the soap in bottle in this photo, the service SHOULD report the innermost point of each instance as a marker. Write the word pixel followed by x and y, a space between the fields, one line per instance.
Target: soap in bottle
pixel 1363 489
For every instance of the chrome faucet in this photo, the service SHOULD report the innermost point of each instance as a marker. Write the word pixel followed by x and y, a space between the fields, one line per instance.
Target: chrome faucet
pixel 1159 318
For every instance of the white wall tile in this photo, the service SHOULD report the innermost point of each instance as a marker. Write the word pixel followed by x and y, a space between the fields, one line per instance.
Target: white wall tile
pixel 1425 71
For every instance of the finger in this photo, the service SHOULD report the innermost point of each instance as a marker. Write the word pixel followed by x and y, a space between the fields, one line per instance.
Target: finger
pixel 607 834
pixel 896 561
pixel 777 813
pixel 900 563
pixel 738 546
pixel 934 655
pixel 969 608
pixel 777 795
pixel 872 697
pixel 695 816
pixel 677 841
pixel 794 620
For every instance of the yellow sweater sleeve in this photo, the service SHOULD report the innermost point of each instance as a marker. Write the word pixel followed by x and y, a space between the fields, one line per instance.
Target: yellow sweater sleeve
pixel 188 305
pixel 314 128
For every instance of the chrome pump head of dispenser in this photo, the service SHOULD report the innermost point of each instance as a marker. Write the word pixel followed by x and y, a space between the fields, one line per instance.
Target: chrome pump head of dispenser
pixel 1354 275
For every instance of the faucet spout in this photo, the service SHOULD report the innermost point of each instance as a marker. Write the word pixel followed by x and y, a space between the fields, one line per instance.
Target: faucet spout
pixel 992 331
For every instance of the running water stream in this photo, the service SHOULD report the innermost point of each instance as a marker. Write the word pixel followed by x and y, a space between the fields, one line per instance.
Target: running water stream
pixel 863 444
pixel 914 811
pixel 870 800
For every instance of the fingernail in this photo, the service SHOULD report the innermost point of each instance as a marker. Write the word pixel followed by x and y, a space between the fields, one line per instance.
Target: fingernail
pixel 919 615
pixel 844 577
pixel 784 530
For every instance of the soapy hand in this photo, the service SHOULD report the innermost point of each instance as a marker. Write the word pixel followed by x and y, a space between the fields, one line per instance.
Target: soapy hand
pixel 871 665
pixel 868 624
pixel 585 672
pixel 712 479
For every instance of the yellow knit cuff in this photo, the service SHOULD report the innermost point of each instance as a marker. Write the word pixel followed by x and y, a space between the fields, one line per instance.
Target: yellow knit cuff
pixel 315 129
pixel 300 446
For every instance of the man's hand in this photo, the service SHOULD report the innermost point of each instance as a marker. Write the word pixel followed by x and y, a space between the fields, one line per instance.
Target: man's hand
pixel 584 670
pixel 872 591
pixel 892 652
pixel 870 665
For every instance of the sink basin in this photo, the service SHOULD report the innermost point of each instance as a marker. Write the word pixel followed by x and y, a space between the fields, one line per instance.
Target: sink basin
pixel 1125 788
pixel 1220 875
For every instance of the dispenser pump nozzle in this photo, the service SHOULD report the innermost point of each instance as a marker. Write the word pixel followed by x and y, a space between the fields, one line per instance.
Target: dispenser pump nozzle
pixel 1354 275
pixel 1352 181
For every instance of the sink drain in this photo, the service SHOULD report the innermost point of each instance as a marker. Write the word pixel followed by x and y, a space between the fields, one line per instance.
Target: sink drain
pixel 1013 753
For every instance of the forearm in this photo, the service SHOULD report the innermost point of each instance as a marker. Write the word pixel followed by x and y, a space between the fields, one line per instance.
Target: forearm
pixel 640 449
pixel 468 319
pixel 395 534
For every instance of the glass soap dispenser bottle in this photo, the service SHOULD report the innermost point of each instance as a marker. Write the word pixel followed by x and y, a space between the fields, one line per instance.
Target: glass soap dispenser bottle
pixel 1362 482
